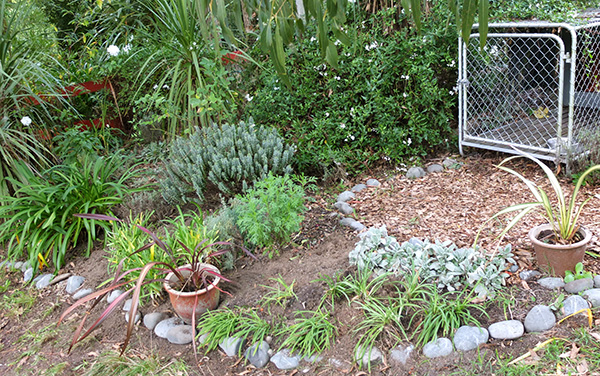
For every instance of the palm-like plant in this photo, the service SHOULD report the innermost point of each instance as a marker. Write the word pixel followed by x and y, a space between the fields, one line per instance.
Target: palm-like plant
pixel 562 215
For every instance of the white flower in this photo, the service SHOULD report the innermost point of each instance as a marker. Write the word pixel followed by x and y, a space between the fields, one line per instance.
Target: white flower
pixel 155 87
pixel 107 125
pixel 26 121
pixel 342 125
pixel 249 98
pixel 312 39
pixel 127 48
pixel 113 50
pixel 276 88
pixel 404 95
pixel 166 87
pixel 327 114
pixel 337 42
pixel 337 78
pixel 352 137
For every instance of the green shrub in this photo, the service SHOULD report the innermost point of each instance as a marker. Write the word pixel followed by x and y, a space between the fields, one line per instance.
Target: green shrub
pixel 39 219
pixel 270 212
pixel 230 156
pixel 390 98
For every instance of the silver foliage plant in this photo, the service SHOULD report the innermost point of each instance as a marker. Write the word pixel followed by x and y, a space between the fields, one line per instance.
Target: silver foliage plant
pixel 442 263
pixel 230 156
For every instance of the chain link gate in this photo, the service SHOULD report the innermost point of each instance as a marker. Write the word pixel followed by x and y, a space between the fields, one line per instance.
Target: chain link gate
pixel 534 86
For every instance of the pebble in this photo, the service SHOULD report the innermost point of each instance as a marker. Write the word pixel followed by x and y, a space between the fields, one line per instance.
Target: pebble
pixel 345 196
pixel 551 283
pixel 17 265
pixel 352 223
pixel 452 163
pixel 368 357
pixel 127 305
pixel 151 319
pixel 574 303
pixel 25 266
pixel 74 283
pixel 358 188
pixel 593 296
pixel 344 208
pixel 436 167
pixel 113 295
pixel 181 334
pixel 136 319
pixel 401 354
pixel 579 285
pixel 82 293
pixel 470 337
pixel 28 275
pixel 284 360
pixel 43 281
pixel 269 339
pixel 528 275
pixel 597 281
pixel 232 346
pixel 60 278
pixel 539 319
pixel 162 328
pixel 509 329
pixel 415 173
pixel 513 268
pixel 313 358
pixel 439 347
pixel 258 354
pixel 373 183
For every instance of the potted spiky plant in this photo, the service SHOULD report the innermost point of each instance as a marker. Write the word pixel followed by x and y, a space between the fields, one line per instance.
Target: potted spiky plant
pixel 192 283
pixel 560 243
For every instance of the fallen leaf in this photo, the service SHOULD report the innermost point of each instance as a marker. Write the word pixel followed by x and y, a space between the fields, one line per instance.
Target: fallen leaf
pixel 596 336
pixel 582 367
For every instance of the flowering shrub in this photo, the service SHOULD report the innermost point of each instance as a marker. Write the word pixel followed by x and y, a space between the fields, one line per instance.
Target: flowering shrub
pixel 390 97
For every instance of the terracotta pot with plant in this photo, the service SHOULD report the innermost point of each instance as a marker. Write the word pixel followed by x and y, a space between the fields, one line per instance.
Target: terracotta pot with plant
pixel 561 243
pixel 191 282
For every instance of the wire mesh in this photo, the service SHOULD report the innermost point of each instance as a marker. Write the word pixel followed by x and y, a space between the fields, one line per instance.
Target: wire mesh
pixel 513 90
pixel 586 117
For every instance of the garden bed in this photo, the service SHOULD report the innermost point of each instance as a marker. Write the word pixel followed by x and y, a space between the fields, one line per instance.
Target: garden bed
pixel 450 205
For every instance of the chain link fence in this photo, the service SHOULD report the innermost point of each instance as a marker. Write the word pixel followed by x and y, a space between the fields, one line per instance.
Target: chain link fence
pixel 535 87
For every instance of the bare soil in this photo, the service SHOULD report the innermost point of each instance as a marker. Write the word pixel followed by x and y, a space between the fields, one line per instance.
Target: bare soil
pixel 449 205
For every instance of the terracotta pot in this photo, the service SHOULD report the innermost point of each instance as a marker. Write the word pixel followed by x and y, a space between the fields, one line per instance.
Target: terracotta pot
pixel 556 258
pixel 183 302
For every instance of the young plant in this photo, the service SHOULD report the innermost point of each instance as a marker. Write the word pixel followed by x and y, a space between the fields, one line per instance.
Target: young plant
pixel 223 323
pixel 579 273
pixel 270 212
pixel 382 318
pixel 280 294
pixel 194 275
pixel 562 215
pixel 312 333
pixel 123 240
pixel 445 313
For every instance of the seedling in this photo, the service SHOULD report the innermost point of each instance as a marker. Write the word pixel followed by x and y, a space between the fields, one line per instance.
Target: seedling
pixel 579 273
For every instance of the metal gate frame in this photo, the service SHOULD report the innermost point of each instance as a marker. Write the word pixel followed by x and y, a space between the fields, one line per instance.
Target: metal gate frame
pixel 564 151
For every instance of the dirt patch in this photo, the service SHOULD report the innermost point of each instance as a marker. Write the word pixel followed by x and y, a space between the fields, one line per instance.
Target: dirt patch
pixel 449 205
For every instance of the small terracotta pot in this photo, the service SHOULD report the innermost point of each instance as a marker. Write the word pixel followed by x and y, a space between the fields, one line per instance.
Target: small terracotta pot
pixel 557 258
pixel 183 302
